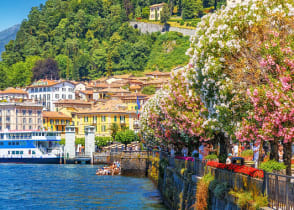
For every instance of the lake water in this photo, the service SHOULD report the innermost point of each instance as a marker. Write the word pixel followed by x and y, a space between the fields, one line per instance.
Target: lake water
pixel 72 187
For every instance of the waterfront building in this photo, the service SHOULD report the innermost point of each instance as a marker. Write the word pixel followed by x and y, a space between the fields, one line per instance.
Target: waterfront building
pixel 56 121
pixel 107 93
pixel 104 115
pixel 75 104
pixel 47 92
pixel 20 116
pixel 155 11
pixel 12 94
pixel 157 83
pixel 86 95
pixel 158 75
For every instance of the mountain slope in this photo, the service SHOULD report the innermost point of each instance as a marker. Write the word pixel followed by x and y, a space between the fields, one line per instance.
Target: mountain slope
pixel 7 35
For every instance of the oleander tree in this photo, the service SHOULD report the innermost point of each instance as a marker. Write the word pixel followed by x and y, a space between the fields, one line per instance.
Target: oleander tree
pixel 150 119
pixel 226 59
pixel 239 82
pixel 184 113
pixel 272 116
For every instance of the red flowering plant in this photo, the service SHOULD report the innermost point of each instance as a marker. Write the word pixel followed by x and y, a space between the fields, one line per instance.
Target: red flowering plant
pixel 253 172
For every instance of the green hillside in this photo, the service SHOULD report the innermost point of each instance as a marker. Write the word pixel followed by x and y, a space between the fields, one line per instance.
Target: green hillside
pixel 87 39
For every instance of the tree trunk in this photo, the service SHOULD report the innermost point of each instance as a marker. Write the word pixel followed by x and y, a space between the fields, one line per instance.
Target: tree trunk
pixel 287 157
pixel 260 152
pixel 274 155
pixel 224 147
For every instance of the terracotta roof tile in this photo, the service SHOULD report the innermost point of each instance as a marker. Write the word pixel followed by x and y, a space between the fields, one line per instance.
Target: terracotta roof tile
pixel 11 90
pixel 55 115
pixel 69 101
pixel 135 87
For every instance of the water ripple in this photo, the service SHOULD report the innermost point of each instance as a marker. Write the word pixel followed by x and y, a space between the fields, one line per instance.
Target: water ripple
pixel 72 187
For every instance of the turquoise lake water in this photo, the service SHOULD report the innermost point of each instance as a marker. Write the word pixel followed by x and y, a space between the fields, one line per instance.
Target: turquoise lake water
pixel 72 187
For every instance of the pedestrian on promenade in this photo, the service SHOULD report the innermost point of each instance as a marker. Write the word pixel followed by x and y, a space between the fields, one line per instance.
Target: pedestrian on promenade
pixel 229 159
pixel 281 153
pixel 235 150
pixel 256 153
pixel 185 151
pixel 201 150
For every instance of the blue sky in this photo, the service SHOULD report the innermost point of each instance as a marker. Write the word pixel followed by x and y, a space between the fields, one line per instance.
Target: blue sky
pixel 14 11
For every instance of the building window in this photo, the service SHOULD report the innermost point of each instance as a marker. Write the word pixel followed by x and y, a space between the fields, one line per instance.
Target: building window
pixel 7 119
pixel 63 89
pixel 57 122
pixel 30 112
pixel 51 122
pixel 24 120
pixel 103 128
pixel 24 127
pixel 30 120
pixel 39 113
pixel 63 96
pixel 8 112
pixel 115 118
pixel 30 127
pixel 57 96
pixel 24 112
pixel 69 96
pixel 94 119
pixel 86 119
pixel 39 121
pixel 48 96
pixel 62 122
pixel 103 118
pixel 122 118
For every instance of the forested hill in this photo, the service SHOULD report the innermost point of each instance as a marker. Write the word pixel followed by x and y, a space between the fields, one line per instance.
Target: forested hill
pixel 86 39
pixel 7 35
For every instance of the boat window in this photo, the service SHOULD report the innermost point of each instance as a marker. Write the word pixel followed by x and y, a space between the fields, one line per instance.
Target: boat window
pixel 43 134
pixel 8 152
pixel 1 143
pixel 17 143
pixel 13 143
pixel 9 143
pixel 13 152
pixel 17 152
pixel 21 152
pixel 33 152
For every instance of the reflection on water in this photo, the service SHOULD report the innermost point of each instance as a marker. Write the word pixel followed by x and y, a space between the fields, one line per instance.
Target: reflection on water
pixel 72 187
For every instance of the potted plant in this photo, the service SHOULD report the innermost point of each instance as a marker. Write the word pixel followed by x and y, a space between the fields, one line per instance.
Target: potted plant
pixel 247 154
pixel 212 157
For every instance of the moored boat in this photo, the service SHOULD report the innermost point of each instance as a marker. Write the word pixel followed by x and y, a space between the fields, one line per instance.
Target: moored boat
pixel 30 147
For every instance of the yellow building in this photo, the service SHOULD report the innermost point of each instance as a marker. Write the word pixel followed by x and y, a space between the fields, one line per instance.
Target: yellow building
pixel 104 115
pixel 56 121
pixel 155 11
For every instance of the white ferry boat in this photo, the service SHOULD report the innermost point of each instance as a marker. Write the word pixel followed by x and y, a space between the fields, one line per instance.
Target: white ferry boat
pixel 30 147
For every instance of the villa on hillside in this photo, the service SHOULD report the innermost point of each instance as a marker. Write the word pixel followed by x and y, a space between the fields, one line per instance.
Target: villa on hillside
pixel 155 11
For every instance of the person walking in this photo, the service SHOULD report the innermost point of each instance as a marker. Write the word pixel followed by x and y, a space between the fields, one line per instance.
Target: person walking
pixel 256 153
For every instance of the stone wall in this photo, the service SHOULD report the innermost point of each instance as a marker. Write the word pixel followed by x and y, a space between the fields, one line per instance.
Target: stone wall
pixel 179 191
pixel 152 27
pixel 134 166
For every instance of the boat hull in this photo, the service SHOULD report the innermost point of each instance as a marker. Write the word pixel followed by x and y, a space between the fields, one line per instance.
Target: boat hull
pixel 31 160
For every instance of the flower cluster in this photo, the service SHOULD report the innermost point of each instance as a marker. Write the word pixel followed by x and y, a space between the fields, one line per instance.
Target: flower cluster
pixel 151 117
pixel 253 172
pixel 226 52
pixel 272 116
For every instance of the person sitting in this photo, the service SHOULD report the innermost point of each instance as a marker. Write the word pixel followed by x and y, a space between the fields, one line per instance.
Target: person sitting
pixel 229 159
